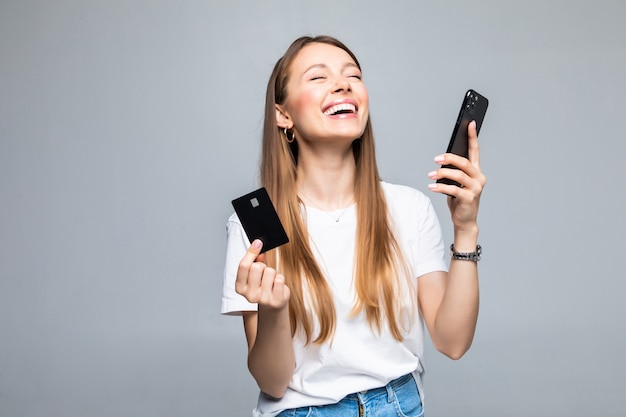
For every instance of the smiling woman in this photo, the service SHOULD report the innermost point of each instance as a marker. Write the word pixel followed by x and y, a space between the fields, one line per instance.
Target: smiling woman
pixel 322 93
pixel 333 319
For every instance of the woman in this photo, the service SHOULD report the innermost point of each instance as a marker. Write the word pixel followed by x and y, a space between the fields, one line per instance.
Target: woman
pixel 334 319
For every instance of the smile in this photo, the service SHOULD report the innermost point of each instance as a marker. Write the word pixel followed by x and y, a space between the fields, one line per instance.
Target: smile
pixel 341 108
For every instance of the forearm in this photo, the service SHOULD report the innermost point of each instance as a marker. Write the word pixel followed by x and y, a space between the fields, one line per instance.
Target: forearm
pixel 458 313
pixel 271 359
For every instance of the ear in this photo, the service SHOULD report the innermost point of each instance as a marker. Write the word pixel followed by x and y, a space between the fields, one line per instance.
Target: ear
pixel 283 119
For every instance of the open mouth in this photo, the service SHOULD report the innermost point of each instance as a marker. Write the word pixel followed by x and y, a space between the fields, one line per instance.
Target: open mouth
pixel 339 109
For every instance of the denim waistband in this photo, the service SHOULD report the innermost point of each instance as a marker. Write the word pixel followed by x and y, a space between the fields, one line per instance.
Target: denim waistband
pixel 388 390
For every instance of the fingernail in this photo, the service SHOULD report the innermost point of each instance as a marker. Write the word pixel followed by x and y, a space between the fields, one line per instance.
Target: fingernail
pixel 432 174
pixel 432 186
pixel 257 244
pixel 439 158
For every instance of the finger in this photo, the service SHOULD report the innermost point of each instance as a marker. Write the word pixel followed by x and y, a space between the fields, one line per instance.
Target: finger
pixel 455 160
pixel 449 190
pixel 280 291
pixel 248 259
pixel 466 182
pixel 279 286
pixel 255 276
pixel 473 148
pixel 465 172
pixel 456 169
pixel 267 283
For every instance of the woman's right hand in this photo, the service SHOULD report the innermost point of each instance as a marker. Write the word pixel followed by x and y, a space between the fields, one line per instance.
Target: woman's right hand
pixel 259 283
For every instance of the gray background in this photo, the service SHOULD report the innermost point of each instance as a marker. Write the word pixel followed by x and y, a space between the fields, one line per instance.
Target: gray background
pixel 126 127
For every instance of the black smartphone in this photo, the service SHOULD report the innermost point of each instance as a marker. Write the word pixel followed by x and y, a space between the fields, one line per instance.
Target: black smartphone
pixel 474 107
pixel 260 220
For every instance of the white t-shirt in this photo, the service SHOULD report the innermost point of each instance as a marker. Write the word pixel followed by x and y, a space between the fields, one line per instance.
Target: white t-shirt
pixel 358 358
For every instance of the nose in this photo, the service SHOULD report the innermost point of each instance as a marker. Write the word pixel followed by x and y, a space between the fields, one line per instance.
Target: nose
pixel 342 84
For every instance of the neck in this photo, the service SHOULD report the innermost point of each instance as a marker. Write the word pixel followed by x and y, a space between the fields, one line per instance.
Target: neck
pixel 326 181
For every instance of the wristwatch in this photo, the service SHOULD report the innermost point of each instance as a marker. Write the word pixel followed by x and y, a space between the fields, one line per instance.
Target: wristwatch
pixel 466 256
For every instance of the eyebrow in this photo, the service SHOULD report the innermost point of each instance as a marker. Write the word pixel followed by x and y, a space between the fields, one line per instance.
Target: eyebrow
pixel 324 66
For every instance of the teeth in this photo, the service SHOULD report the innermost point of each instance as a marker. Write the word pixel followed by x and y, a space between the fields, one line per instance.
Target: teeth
pixel 340 107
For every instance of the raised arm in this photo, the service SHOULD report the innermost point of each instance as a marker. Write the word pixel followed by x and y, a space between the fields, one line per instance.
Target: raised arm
pixel 449 302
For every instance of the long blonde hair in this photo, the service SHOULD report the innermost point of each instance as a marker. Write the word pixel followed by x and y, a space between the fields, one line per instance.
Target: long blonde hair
pixel 379 268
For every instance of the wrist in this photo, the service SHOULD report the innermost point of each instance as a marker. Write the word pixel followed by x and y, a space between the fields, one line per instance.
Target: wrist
pixel 274 316
pixel 466 256
pixel 466 238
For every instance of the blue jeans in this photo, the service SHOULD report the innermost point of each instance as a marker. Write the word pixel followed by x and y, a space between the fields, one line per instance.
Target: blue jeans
pixel 399 398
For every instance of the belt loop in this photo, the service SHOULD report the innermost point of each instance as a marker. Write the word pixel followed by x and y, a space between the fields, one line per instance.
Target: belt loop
pixel 391 394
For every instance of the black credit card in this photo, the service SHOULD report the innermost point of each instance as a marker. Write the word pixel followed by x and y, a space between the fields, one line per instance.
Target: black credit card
pixel 260 220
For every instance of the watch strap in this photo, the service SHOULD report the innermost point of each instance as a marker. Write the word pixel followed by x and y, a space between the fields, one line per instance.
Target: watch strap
pixel 466 256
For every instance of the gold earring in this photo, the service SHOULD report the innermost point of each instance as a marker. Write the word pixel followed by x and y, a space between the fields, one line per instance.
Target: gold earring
pixel 293 136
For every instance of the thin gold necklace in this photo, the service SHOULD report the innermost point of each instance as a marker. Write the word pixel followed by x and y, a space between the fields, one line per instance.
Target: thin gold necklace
pixel 336 219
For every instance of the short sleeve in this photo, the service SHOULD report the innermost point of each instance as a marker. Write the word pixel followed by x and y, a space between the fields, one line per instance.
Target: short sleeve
pixel 237 244
pixel 417 228
pixel 431 256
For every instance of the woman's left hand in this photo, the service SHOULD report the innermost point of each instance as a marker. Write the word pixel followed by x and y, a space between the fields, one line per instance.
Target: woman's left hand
pixel 463 201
